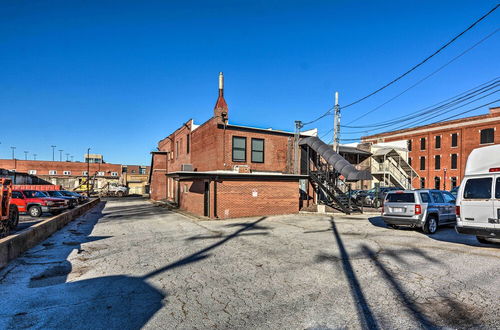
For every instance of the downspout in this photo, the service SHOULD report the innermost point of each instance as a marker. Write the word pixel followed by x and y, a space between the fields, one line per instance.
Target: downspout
pixel 215 198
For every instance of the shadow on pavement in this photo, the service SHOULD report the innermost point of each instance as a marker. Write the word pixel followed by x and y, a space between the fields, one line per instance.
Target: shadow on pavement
pixel 117 301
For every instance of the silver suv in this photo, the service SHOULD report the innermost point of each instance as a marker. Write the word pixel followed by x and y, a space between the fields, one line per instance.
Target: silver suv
pixel 423 208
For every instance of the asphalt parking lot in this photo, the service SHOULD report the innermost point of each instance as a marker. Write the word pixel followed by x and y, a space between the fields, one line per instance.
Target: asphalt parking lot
pixel 129 264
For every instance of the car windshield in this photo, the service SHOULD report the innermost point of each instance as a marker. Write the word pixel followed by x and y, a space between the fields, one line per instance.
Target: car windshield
pixel 401 197
pixel 54 193
pixel 34 194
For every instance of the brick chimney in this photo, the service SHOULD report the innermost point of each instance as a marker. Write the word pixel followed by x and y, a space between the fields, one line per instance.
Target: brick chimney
pixel 495 110
pixel 220 109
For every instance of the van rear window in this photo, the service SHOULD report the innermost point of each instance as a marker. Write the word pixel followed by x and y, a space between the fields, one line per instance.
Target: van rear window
pixel 401 198
pixel 478 188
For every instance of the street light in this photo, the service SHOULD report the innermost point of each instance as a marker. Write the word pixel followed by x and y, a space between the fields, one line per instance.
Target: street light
pixel 26 155
pixel 53 149
pixel 67 157
pixel 13 155
pixel 60 155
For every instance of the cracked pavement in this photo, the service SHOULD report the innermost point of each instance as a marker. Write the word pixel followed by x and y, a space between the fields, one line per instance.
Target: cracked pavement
pixel 130 264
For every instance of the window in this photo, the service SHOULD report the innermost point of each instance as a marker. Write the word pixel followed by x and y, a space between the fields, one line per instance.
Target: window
pixel 401 198
pixel 437 183
pixel 257 150
pixel 453 181
pixel 177 149
pixel 239 149
pixel 422 163
pixel 422 183
pixel 487 135
pixel 449 198
pixel 437 197
pixel 17 194
pixel 437 162
pixel 454 159
pixel 424 197
pixel 67 172
pixel 409 161
pixel 478 188
pixel 142 170
pixel 188 142
pixel 114 173
pixel 497 189
pixel 454 139
pixel 124 169
pixel 185 188
pixel 100 173
pixel 409 145
pixel 33 172
pixel 85 173
pixel 422 144
pixel 52 172
pixel 437 142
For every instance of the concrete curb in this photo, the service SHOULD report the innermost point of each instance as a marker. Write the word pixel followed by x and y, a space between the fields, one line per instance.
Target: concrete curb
pixel 14 245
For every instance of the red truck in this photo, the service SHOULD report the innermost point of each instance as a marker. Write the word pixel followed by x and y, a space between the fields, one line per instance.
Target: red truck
pixel 35 203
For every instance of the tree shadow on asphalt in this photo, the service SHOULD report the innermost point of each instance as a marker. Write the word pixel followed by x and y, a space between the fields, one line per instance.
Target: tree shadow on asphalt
pixel 444 234
pixel 117 301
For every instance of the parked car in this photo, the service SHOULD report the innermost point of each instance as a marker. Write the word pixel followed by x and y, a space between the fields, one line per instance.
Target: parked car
pixel 35 203
pixel 72 200
pixel 424 208
pixel 478 199
pixel 81 198
pixel 373 199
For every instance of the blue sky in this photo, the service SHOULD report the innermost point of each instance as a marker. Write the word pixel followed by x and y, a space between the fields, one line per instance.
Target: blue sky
pixel 118 76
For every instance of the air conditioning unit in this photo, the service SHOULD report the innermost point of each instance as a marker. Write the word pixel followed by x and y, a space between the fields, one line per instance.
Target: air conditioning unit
pixel 187 167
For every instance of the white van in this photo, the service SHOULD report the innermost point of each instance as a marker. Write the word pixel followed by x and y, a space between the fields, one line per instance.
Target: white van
pixel 478 198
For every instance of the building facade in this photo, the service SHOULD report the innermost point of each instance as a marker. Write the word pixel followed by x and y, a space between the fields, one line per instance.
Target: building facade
pixel 438 152
pixel 221 170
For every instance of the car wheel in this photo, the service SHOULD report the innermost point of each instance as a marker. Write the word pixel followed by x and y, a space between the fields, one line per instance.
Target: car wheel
pixel 376 203
pixel 35 211
pixel 13 217
pixel 119 194
pixel 431 225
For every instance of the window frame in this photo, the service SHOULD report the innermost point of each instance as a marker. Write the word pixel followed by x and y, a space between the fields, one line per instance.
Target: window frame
pixel 52 172
pixel 492 129
pixel 263 150
pixel 423 144
pixel 244 149
pixel 422 165
pixel 454 157
pixel 456 140
pixel 466 186
pixel 437 162
pixel 437 139
pixel 409 144
pixel 422 182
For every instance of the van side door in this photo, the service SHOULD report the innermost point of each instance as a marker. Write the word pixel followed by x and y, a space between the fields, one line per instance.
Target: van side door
pixel 496 202
pixel 476 205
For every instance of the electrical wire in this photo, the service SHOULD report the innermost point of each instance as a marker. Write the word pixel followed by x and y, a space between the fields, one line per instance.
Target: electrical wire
pixel 426 77
pixel 423 61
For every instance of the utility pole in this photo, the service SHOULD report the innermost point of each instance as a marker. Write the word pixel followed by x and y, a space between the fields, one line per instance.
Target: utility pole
pixel 13 154
pixel 88 172
pixel 53 149
pixel 336 124
pixel 26 155
pixel 298 126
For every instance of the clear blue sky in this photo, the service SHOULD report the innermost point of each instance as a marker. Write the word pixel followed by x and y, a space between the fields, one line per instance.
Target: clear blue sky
pixel 120 75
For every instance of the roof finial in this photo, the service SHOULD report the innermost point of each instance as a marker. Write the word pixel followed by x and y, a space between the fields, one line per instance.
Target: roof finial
pixel 221 81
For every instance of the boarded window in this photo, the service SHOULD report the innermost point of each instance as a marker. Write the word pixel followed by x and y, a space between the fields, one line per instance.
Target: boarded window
pixel 239 149
pixel 422 163
pixel 454 139
pixel 257 150
pixel 422 144
pixel 437 142
pixel 454 159
pixel 437 162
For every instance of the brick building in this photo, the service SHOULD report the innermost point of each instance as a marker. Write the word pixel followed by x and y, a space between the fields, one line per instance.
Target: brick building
pixel 438 152
pixel 221 170
pixel 71 174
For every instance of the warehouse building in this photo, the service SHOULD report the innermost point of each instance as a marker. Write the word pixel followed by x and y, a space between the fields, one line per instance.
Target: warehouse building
pixel 438 152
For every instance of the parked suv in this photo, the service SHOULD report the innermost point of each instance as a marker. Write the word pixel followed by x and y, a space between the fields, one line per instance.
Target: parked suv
pixel 422 208
pixel 370 198
pixel 36 202
pixel 72 201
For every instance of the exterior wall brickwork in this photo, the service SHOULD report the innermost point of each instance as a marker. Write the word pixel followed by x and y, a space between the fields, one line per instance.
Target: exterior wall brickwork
pixel 469 133
pixel 43 167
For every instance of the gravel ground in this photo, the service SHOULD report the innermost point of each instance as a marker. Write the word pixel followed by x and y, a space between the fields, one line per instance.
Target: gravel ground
pixel 129 264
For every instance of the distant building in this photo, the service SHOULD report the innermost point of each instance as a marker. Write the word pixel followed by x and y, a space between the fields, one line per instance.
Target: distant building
pixel 438 152
pixel 93 158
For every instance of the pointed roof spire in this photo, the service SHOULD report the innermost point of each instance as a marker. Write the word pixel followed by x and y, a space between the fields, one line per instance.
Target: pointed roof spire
pixel 220 105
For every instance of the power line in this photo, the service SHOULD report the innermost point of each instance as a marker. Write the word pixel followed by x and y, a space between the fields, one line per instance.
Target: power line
pixel 487 85
pixel 425 60
pixel 426 77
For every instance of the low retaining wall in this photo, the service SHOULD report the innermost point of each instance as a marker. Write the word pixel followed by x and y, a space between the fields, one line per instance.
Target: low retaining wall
pixel 14 245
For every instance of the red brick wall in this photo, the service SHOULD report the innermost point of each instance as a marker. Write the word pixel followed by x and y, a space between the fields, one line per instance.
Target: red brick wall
pixel 158 189
pixel 207 147
pixel 468 139
pixel 43 167
pixel 236 198
pixel 192 200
